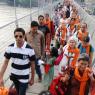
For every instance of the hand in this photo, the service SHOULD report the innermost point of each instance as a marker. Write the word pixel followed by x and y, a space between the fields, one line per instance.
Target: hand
pixel 31 82
pixel 1 82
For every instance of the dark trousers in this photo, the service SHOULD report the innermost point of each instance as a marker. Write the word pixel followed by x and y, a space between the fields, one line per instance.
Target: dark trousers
pixel 20 87
pixel 38 70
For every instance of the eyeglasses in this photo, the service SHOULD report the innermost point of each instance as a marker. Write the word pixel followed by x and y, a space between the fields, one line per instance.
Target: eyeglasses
pixel 20 36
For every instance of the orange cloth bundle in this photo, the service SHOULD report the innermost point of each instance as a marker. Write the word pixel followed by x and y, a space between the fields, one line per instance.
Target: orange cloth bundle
pixel 4 91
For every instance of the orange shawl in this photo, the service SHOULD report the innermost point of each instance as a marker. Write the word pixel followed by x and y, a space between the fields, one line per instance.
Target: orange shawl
pixel 3 91
pixel 82 79
pixel 48 36
pixel 76 52
pixel 63 31
pixel 48 23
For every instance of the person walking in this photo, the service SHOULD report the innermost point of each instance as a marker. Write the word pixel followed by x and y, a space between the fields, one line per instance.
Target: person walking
pixel 45 30
pixel 36 39
pixel 22 56
pixel 48 77
pixel 79 83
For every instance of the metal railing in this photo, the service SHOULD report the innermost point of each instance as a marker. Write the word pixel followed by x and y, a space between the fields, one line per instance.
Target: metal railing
pixel 87 5
pixel 6 31
pixel 91 25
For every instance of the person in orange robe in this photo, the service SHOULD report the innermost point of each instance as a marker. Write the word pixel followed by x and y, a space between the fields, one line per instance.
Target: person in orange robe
pixel 63 31
pixel 83 32
pixel 81 77
pixel 70 54
pixel 49 24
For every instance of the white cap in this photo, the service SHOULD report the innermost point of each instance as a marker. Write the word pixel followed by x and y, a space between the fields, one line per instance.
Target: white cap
pixel 74 39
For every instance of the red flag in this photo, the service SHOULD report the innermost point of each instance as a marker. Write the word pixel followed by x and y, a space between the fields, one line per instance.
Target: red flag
pixel 47 68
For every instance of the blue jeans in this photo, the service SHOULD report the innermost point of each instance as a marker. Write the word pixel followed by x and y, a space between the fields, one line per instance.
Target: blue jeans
pixel 20 87
pixel 38 70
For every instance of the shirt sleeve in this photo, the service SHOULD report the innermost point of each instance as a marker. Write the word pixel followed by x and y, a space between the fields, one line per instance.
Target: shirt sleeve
pixel 7 53
pixel 32 56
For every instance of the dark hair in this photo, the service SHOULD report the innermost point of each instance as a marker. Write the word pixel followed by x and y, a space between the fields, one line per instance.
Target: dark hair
pixel 86 39
pixel 54 51
pixel 47 14
pixel 34 23
pixel 45 93
pixel 19 30
pixel 40 16
pixel 84 57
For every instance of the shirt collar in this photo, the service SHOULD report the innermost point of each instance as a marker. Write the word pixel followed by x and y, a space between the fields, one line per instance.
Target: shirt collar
pixel 23 47
pixel 33 33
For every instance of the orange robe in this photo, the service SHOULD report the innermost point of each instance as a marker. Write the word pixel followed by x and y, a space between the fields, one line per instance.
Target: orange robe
pixel 81 35
pixel 82 79
pixel 48 37
pixel 63 31
pixel 76 53
pixel 50 25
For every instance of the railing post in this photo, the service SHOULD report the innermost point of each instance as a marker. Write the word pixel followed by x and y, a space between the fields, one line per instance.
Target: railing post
pixel 43 6
pixel 16 20
pixel 30 11
pixel 51 6
pixel 38 7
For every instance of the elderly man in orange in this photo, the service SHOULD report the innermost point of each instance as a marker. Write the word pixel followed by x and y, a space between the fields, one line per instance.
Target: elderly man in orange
pixel 50 24
pixel 62 32
pixel 36 40
pixel 70 54
pixel 74 14
pixel 80 79
pixel 83 32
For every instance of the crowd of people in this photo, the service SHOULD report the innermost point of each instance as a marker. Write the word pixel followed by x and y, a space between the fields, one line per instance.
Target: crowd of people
pixel 61 45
